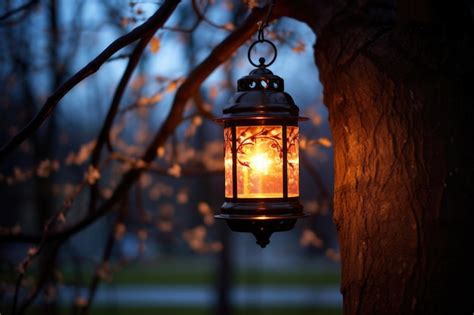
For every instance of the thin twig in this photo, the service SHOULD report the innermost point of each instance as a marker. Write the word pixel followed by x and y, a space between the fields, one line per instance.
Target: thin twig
pixel 22 7
pixel 42 280
pixel 202 17
pixel 199 103
pixel 31 255
pixel 155 168
pixel 193 27
pixel 161 15
pixel 104 134
pixel 59 216
pixel 105 256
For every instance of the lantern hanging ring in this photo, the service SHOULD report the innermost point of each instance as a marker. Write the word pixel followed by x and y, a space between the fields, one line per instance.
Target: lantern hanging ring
pixel 261 60
pixel 261 40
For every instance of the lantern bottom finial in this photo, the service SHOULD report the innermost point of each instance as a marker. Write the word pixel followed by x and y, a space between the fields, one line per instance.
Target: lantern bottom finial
pixel 262 219
pixel 261 226
pixel 263 238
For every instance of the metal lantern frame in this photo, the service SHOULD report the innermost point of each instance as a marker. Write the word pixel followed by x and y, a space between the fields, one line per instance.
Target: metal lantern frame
pixel 261 101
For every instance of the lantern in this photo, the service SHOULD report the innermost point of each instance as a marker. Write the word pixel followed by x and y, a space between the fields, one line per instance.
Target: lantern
pixel 261 155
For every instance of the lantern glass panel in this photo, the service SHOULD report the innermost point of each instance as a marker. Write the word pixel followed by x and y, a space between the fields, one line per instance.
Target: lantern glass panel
pixel 259 162
pixel 293 161
pixel 228 161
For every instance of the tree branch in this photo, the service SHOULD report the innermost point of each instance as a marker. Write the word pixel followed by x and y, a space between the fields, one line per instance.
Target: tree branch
pixel 51 256
pixel 193 27
pixel 22 7
pixel 202 17
pixel 105 258
pixel 199 103
pixel 159 17
pixel 104 135
pixel 190 86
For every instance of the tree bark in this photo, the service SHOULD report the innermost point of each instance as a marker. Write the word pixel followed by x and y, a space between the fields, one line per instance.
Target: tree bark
pixel 401 116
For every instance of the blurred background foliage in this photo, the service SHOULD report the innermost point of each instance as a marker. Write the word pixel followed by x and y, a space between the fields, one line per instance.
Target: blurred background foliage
pixel 161 251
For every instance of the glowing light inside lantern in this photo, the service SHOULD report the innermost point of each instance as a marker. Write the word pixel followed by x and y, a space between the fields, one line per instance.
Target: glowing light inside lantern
pixel 259 157
pixel 260 163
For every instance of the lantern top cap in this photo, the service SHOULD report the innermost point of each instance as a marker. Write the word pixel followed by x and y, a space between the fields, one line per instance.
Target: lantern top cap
pixel 260 79
pixel 261 95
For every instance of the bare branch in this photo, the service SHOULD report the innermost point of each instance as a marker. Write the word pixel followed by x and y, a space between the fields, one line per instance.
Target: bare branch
pixel 187 171
pixel 23 7
pixel 193 27
pixel 199 103
pixel 105 257
pixel 104 135
pixel 202 17
pixel 159 17
pixel 220 54
pixel 51 256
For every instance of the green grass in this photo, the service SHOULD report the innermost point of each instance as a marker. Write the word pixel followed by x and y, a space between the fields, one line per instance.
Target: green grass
pixel 172 273
pixel 167 277
pixel 132 276
pixel 182 273
pixel 179 272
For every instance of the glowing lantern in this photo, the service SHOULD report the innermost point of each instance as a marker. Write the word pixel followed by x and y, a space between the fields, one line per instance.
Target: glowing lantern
pixel 261 155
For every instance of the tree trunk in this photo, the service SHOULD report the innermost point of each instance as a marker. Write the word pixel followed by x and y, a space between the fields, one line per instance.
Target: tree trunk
pixel 401 114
